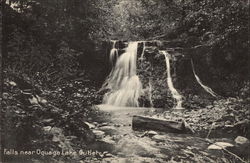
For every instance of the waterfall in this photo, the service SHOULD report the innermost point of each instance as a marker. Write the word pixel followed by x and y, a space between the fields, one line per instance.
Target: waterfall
pixel 206 88
pixel 113 53
pixel 173 91
pixel 123 84
pixel 143 50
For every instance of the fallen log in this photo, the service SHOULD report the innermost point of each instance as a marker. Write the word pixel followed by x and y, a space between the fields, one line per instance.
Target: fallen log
pixel 148 123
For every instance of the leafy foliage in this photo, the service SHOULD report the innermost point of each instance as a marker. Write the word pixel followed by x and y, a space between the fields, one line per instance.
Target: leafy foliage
pixel 41 34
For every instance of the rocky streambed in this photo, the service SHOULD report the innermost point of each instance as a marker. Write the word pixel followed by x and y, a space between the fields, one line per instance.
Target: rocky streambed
pixel 206 144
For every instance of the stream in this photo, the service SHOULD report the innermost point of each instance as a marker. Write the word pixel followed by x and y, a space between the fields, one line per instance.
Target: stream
pixel 120 143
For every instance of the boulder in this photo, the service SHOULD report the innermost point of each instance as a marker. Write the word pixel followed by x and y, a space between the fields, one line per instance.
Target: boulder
pixel 242 141
pixel 159 138
pixel 98 134
pixel 220 146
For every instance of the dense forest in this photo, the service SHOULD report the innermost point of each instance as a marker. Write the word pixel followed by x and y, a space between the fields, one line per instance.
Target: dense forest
pixel 55 58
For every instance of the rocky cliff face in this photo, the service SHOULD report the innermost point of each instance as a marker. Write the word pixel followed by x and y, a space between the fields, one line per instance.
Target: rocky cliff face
pixel 213 71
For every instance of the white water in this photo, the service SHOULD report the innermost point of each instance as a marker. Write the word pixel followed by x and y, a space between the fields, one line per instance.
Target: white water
pixel 124 85
pixel 173 91
pixel 143 50
pixel 113 53
pixel 206 88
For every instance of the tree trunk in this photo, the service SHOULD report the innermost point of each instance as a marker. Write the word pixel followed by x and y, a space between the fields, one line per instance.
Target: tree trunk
pixel 148 123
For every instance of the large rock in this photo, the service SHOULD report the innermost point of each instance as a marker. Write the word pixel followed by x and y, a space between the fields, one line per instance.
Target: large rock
pixel 159 138
pixel 108 129
pixel 242 141
pixel 220 145
pixel 98 134
pixel 91 126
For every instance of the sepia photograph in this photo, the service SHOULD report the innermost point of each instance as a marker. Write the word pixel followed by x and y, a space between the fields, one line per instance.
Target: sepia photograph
pixel 125 81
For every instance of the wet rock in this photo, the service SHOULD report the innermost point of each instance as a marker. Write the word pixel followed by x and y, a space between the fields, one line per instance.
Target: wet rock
pixel 108 139
pixel 95 123
pixel 103 124
pixel 33 100
pixel 159 138
pixel 220 145
pixel 91 126
pixel 151 133
pixel 210 106
pixel 47 129
pixel 108 155
pixel 43 101
pixel 98 134
pixel 107 128
pixel 12 83
pixel 105 154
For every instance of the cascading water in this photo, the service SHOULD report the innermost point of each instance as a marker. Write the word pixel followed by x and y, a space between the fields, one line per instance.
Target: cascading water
pixel 123 84
pixel 143 50
pixel 206 88
pixel 113 53
pixel 173 91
